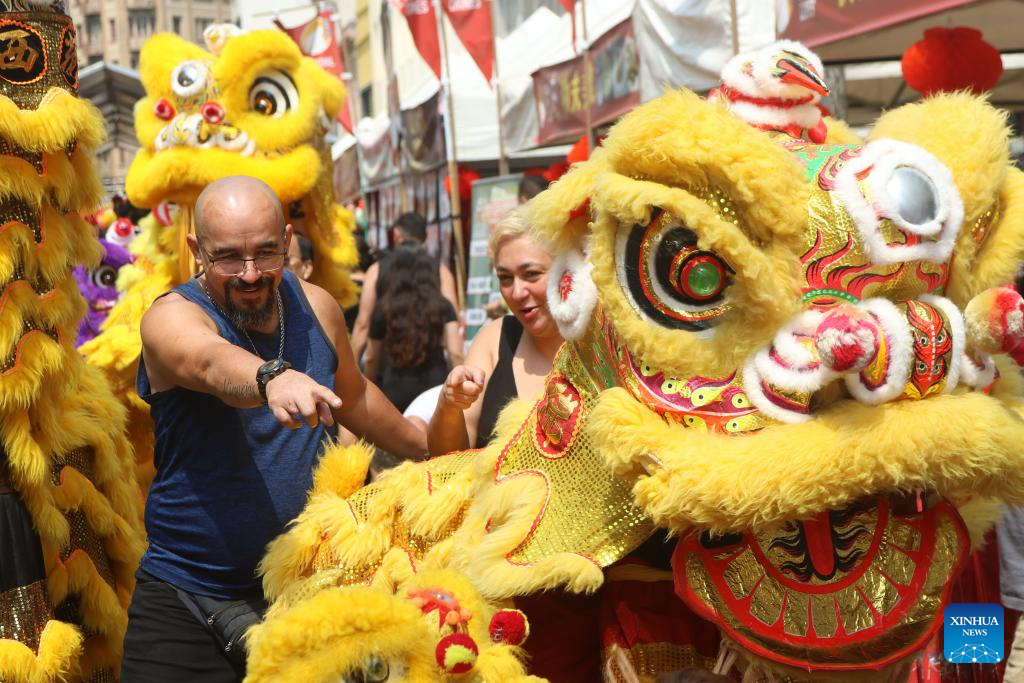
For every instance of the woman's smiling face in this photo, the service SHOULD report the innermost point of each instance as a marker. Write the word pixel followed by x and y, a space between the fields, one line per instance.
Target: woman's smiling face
pixel 522 268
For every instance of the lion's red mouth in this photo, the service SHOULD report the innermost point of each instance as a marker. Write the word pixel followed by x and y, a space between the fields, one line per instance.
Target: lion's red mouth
pixel 858 588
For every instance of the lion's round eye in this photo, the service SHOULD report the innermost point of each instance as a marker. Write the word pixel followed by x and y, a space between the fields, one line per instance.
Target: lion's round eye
pixel 273 94
pixel 104 276
pixel 914 196
pixel 189 78
pixel 669 278
pixel 374 670
pixel 698 276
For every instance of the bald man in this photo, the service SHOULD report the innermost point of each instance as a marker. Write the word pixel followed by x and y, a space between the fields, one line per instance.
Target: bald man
pixel 246 370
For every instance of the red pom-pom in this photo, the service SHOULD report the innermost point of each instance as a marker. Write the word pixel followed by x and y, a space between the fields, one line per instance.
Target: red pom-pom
pixel 122 228
pixel 950 59
pixel 509 626
pixel 456 653
pixel 163 109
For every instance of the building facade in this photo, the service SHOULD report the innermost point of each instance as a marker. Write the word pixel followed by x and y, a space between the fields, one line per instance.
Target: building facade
pixel 113 31
pixel 111 34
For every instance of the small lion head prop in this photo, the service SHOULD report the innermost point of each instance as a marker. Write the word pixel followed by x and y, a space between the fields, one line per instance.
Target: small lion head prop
pixel 253 105
pixel 436 628
pixel 802 348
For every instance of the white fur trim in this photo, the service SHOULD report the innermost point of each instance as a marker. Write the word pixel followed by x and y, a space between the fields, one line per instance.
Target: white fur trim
pixel 805 115
pixel 958 329
pixel 860 336
pixel 978 374
pixel 799 377
pixel 573 314
pixel 760 82
pixel 752 385
pixel 883 157
pixel 785 342
pixel 893 324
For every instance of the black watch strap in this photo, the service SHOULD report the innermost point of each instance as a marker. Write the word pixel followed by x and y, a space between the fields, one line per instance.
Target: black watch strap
pixel 267 372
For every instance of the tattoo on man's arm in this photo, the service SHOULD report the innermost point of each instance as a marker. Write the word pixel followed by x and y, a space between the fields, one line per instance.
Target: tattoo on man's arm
pixel 245 392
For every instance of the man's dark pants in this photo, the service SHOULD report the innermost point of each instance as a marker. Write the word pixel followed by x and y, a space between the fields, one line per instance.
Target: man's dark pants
pixel 166 643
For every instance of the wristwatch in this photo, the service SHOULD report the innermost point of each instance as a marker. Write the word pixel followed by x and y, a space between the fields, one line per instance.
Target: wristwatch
pixel 268 371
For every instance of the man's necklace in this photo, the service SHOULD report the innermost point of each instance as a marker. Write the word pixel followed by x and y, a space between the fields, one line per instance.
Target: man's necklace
pixel 280 321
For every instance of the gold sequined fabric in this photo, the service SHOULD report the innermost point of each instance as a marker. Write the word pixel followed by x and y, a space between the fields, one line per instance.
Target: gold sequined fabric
pixel 651 659
pixel 37 53
pixel 24 612
pixel 588 510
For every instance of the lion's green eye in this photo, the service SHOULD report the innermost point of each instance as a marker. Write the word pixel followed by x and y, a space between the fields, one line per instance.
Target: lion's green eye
pixel 669 277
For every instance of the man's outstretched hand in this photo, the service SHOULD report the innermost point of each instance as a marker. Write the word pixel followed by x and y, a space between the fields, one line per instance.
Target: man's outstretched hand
pixel 295 398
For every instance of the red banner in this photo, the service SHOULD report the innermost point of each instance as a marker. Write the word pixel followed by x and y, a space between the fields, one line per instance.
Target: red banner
pixel 423 25
pixel 317 39
pixel 607 83
pixel 471 20
pixel 819 22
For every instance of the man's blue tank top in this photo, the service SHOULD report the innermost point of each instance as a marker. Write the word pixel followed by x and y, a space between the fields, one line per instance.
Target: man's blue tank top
pixel 228 479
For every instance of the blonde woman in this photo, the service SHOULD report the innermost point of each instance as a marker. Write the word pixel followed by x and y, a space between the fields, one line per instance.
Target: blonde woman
pixel 510 357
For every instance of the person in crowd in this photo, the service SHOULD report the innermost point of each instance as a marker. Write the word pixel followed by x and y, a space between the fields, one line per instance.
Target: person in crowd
pixel 409 228
pixel 1010 532
pixel 509 358
pixel 413 326
pixel 300 256
pixel 367 257
pixel 246 370
pixel 531 185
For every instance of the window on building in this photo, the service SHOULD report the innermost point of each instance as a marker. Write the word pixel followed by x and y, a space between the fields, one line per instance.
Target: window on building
pixel 141 22
pixel 135 59
pixel 201 24
pixel 176 25
pixel 366 98
pixel 93 29
pixel 113 30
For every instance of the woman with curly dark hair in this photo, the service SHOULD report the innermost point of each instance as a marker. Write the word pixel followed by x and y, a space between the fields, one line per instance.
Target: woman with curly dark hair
pixel 413 325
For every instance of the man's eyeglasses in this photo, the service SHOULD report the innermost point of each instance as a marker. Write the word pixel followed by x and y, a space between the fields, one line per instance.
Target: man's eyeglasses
pixel 231 266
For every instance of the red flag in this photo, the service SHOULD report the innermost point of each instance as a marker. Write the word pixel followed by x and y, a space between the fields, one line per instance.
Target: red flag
pixel 471 20
pixel 317 39
pixel 423 26
pixel 570 7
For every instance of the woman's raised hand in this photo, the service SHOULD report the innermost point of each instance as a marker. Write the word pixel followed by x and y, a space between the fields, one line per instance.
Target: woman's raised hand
pixel 463 387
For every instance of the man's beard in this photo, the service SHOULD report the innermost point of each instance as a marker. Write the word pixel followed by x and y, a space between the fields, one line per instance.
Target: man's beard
pixel 245 318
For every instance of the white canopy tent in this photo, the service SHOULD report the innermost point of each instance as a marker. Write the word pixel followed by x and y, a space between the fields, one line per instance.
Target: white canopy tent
pixel 682 42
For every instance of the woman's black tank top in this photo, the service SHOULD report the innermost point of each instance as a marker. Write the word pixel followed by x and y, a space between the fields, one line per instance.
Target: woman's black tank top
pixel 501 388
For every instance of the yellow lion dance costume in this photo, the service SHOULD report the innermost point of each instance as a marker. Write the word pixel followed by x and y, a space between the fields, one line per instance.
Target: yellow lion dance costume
pixel 252 105
pixel 62 446
pixel 785 353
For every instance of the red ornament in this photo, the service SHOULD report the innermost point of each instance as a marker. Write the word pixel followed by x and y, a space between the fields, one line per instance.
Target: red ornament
pixel 509 626
pixel 579 152
pixel 456 653
pixel 163 109
pixel 123 228
pixel 950 59
pixel 555 171
pixel 565 285
pixel 467 177
pixel 212 112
